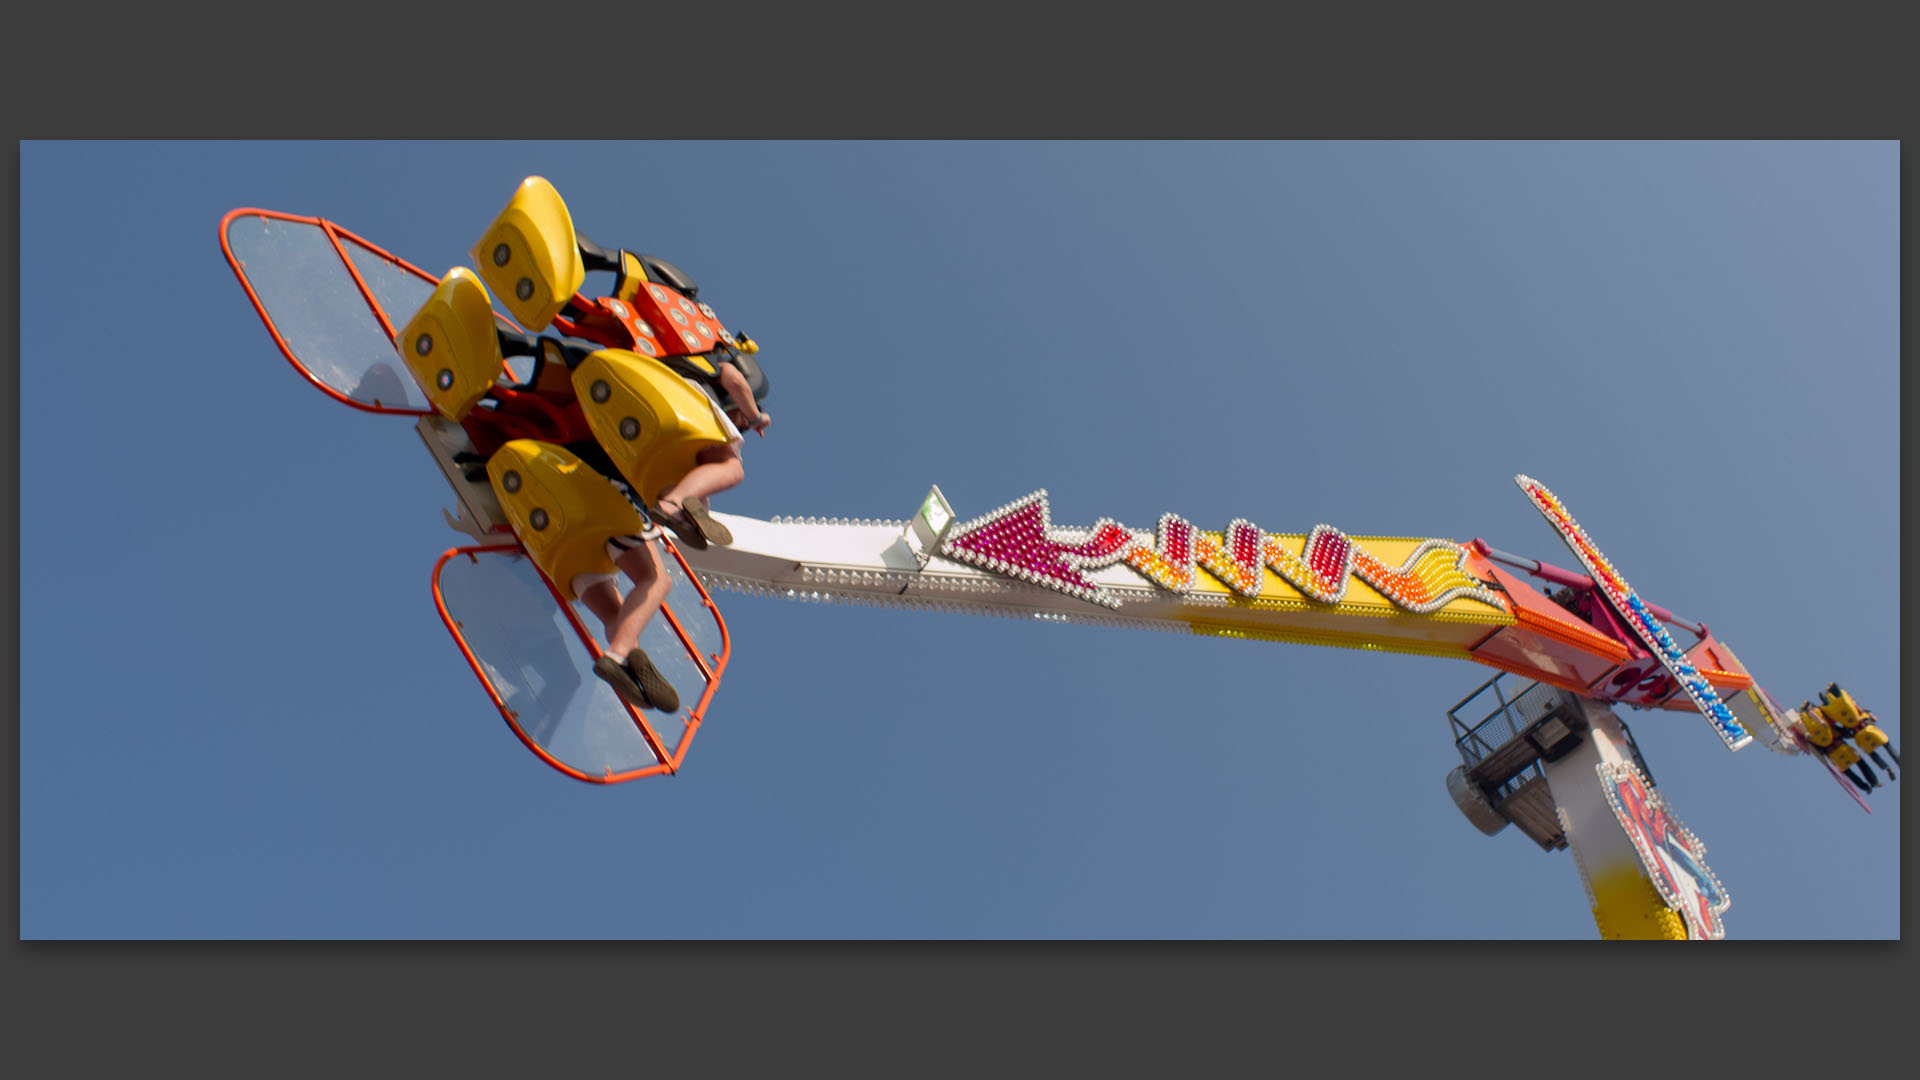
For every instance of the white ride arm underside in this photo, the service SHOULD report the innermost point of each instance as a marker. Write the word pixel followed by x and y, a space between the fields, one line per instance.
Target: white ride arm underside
pixel 868 562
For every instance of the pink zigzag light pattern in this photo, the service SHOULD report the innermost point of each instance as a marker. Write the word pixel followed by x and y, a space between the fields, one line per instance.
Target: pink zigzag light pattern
pixel 1015 540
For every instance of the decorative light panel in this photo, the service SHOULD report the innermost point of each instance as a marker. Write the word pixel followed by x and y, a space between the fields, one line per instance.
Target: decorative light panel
pixel 1322 567
pixel 1675 859
pixel 1633 611
pixel 1235 558
pixel 1013 540
pixel 1169 562
pixel 1016 540
pixel 1430 578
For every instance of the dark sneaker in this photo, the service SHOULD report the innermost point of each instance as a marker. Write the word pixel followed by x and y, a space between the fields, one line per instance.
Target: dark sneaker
pixel 681 526
pixel 696 508
pixel 624 684
pixel 652 683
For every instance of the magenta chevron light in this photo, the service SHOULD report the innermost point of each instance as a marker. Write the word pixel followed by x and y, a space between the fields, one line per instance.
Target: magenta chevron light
pixel 1014 540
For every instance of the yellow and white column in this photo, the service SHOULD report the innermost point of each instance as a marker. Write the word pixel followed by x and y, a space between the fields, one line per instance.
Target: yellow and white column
pixel 1645 874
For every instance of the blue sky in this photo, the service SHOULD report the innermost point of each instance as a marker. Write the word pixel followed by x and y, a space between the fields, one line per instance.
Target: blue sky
pixel 240 716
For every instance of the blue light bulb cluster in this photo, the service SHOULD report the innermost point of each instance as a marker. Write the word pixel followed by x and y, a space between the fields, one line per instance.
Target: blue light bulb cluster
pixel 1695 684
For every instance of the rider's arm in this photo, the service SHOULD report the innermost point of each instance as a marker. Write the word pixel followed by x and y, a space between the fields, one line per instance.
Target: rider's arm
pixel 736 387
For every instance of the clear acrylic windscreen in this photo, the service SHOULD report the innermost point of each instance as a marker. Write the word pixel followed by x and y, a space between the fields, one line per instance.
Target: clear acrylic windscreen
pixel 319 311
pixel 544 672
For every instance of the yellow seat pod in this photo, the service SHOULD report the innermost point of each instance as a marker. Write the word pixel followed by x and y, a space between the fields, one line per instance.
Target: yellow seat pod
pixel 530 256
pixel 450 346
pixel 649 420
pixel 1815 725
pixel 1868 737
pixel 1841 706
pixel 561 508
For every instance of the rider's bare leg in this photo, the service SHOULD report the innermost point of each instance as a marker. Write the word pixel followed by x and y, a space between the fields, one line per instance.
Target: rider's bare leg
pixel 623 620
pixel 603 599
pixel 650 586
pixel 718 468
pixel 624 664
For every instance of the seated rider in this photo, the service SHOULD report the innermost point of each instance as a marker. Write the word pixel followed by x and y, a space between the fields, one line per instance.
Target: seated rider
pixel 1857 725
pixel 1872 739
pixel 543 463
pixel 654 305
pixel 535 263
pixel 546 407
pixel 603 533
pixel 683 506
pixel 554 416
pixel 625 665
pixel 1830 745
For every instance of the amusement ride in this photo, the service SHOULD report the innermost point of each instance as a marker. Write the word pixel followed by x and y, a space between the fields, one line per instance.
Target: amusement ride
pixel 559 423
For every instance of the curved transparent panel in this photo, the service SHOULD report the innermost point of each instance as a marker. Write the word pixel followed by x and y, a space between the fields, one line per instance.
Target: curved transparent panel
pixel 694 617
pixel 401 292
pixel 670 655
pixel 539 666
pixel 314 304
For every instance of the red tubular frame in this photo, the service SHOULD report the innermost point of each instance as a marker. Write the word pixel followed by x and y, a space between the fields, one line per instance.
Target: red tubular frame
pixel 333 233
pixel 712 667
